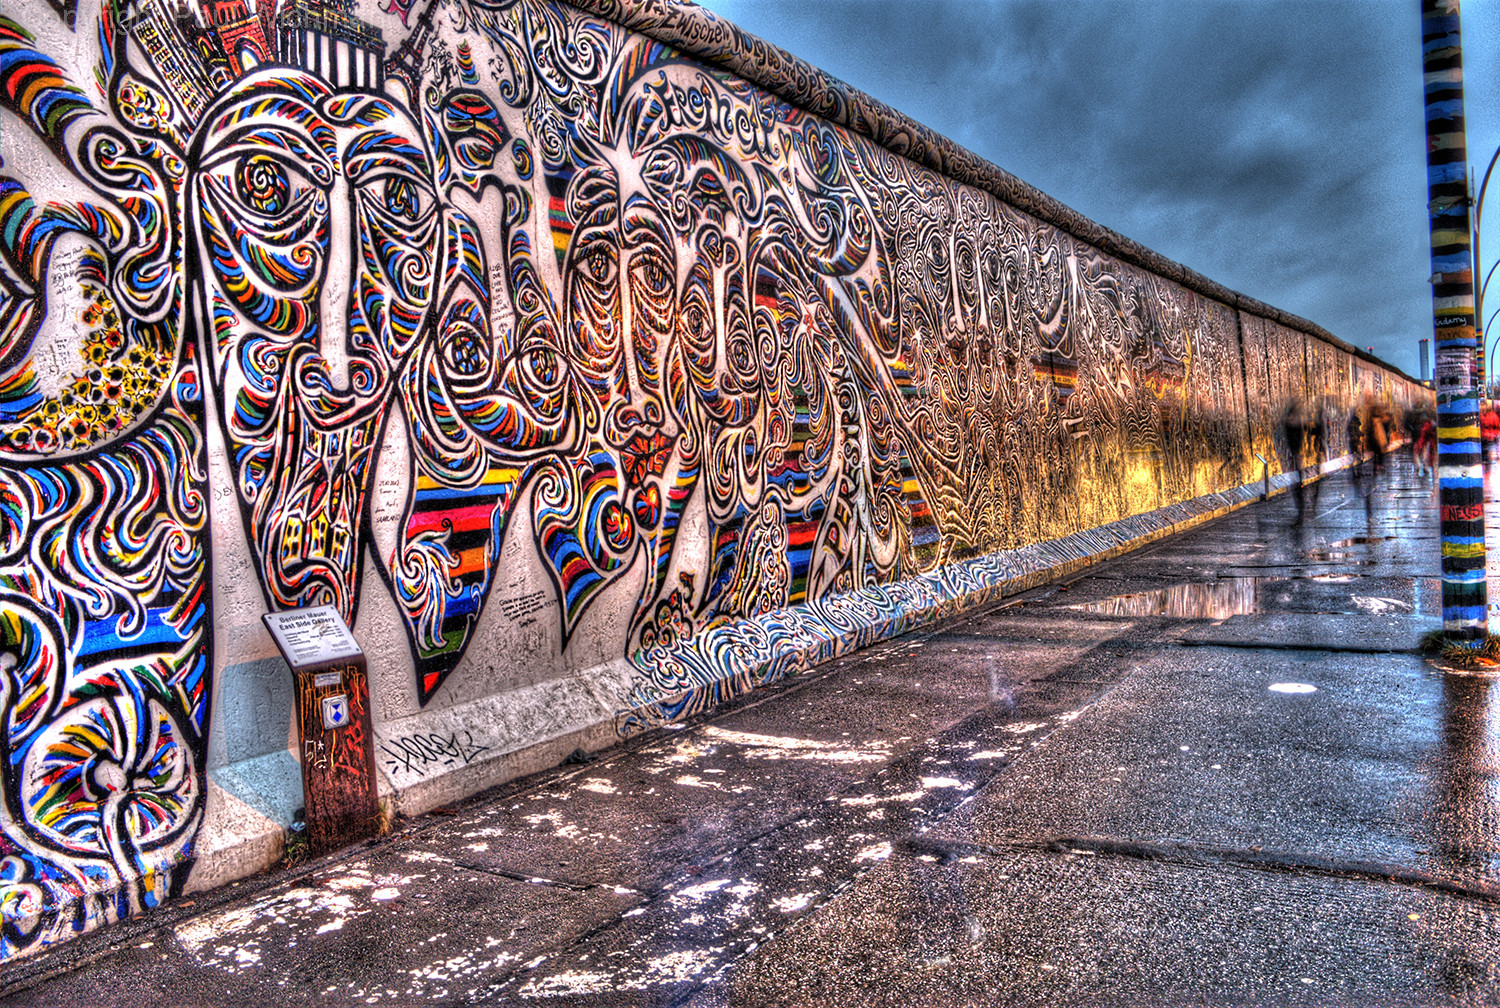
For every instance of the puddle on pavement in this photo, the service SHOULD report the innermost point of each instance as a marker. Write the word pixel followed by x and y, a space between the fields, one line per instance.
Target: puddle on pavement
pixel 1228 597
pixel 1335 556
pixel 1216 600
pixel 1341 552
pixel 1238 596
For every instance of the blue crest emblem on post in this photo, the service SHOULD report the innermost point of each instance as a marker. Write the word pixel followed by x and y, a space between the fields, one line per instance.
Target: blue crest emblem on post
pixel 336 710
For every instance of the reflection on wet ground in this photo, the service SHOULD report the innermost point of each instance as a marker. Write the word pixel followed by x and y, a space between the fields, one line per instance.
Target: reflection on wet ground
pixel 1219 600
pixel 1337 556
pixel 1234 596
pixel 1343 551
pixel 1212 600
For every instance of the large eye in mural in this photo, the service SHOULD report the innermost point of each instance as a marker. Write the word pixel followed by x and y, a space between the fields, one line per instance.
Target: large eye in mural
pixel 539 375
pixel 649 276
pixel 264 190
pixel 937 255
pixel 598 264
pixel 465 354
pixel 694 324
pixel 266 219
pixel 465 351
pixel 542 367
pixel 695 328
pixel 741 352
pixel 594 305
pixel 264 185
pixel 968 280
pixel 993 268
pixel 653 301
pixel 404 199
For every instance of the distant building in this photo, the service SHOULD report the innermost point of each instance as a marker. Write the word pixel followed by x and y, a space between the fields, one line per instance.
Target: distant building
pixel 325 37
pixel 171 37
pixel 241 33
pixel 201 52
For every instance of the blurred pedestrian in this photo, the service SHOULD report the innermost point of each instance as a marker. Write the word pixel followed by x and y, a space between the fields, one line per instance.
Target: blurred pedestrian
pixel 1302 433
pixel 1354 429
pixel 1314 449
pixel 1293 431
pixel 1489 430
pixel 1378 430
pixel 1424 447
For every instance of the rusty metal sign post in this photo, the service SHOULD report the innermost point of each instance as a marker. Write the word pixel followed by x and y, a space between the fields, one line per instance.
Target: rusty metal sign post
pixel 339 786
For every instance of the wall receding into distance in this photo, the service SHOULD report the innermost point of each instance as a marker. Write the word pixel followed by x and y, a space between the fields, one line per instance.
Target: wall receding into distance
pixel 596 364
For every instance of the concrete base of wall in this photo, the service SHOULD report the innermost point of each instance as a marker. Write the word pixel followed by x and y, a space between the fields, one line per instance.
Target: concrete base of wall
pixel 436 757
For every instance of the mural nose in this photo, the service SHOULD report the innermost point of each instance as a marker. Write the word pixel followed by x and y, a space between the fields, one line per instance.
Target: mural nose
pixel 333 295
pixel 630 416
pixel 954 314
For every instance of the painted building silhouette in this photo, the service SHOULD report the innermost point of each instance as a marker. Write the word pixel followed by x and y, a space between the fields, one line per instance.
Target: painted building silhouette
pixel 199 52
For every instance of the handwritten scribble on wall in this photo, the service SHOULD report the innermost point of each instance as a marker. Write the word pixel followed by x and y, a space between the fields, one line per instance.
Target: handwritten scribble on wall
pixel 707 343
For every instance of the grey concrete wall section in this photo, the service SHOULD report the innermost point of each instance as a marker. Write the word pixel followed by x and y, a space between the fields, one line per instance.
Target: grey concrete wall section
pixel 255 706
pixel 595 362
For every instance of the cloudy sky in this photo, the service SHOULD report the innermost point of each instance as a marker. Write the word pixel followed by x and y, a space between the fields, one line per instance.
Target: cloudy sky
pixel 1277 147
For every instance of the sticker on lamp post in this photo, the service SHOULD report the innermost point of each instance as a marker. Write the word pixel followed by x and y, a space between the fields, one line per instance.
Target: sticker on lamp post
pixel 335 711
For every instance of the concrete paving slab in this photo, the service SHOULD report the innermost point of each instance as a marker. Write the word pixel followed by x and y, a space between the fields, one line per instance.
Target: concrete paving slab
pixel 637 822
pixel 394 926
pixel 1021 928
pixel 1382 763
pixel 708 917
pixel 700 791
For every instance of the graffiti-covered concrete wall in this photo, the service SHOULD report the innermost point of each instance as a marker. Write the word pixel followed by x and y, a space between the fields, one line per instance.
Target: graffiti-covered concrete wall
pixel 596 364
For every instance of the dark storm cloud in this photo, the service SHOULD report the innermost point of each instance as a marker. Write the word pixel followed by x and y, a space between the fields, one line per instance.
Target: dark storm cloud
pixel 1276 147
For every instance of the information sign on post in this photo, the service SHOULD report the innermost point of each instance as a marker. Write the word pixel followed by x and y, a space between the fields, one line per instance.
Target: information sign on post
pixel 333 722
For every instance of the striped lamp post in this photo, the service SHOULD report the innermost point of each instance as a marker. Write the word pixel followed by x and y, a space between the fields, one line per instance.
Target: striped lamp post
pixel 1460 473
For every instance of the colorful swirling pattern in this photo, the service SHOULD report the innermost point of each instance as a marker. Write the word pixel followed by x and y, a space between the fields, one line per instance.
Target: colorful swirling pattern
pixel 842 368
pixel 786 371
pixel 104 591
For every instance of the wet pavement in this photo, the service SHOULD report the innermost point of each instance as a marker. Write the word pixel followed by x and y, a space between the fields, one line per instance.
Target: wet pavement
pixel 1214 771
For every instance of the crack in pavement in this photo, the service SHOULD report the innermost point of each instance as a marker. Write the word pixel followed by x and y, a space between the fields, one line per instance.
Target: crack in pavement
pixel 530 879
pixel 1204 855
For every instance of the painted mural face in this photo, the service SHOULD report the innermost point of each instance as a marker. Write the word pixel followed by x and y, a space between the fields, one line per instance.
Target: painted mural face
pixel 319 258
pixel 621 309
pixel 619 322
